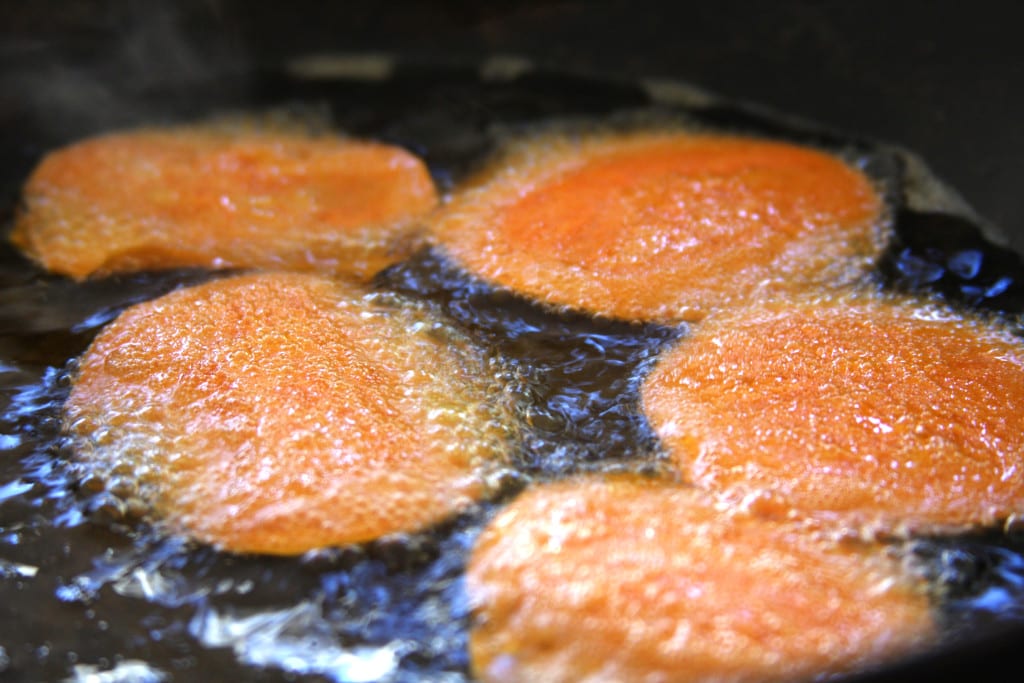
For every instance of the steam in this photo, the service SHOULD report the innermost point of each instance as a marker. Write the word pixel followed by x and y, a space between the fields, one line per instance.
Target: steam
pixel 75 76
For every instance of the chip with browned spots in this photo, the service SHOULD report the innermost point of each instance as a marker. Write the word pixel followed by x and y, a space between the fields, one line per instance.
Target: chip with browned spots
pixel 279 413
pixel 223 197
pixel 662 226
pixel 633 580
pixel 880 413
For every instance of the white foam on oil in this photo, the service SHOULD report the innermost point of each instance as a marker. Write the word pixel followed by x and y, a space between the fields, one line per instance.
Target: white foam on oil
pixel 128 671
pixel 296 639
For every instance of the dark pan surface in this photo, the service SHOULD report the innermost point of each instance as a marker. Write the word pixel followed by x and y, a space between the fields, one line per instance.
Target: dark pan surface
pixel 83 590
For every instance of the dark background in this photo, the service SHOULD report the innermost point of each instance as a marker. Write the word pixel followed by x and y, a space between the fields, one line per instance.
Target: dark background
pixel 943 78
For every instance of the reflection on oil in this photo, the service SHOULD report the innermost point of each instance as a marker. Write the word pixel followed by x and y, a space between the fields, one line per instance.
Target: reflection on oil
pixel 296 639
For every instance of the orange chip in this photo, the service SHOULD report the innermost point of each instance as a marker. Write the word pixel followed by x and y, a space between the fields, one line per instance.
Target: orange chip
pixel 223 198
pixel 883 413
pixel 283 412
pixel 663 226
pixel 628 580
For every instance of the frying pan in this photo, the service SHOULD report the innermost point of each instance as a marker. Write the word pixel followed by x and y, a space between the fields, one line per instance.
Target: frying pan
pixel 81 593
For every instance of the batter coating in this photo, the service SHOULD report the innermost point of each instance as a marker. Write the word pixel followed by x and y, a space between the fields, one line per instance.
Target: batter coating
pixel 662 226
pixel 221 197
pixel 283 412
pixel 631 580
pixel 882 413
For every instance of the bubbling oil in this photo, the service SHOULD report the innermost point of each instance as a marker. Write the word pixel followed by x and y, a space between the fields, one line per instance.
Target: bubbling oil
pixel 78 550
pixel 575 378
pixel 396 606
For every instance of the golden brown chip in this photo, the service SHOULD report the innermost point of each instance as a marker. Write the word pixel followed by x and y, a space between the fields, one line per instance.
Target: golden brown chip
pixel 884 414
pixel 223 198
pixel 628 580
pixel 283 412
pixel 662 226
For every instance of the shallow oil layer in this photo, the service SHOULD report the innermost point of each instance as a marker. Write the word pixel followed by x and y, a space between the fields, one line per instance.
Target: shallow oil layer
pixel 86 589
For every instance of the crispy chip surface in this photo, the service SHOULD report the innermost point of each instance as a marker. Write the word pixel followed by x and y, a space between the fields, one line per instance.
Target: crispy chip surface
pixel 879 412
pixel 223 198
pixel 630 580
pixel 278 413
pixel 662 226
